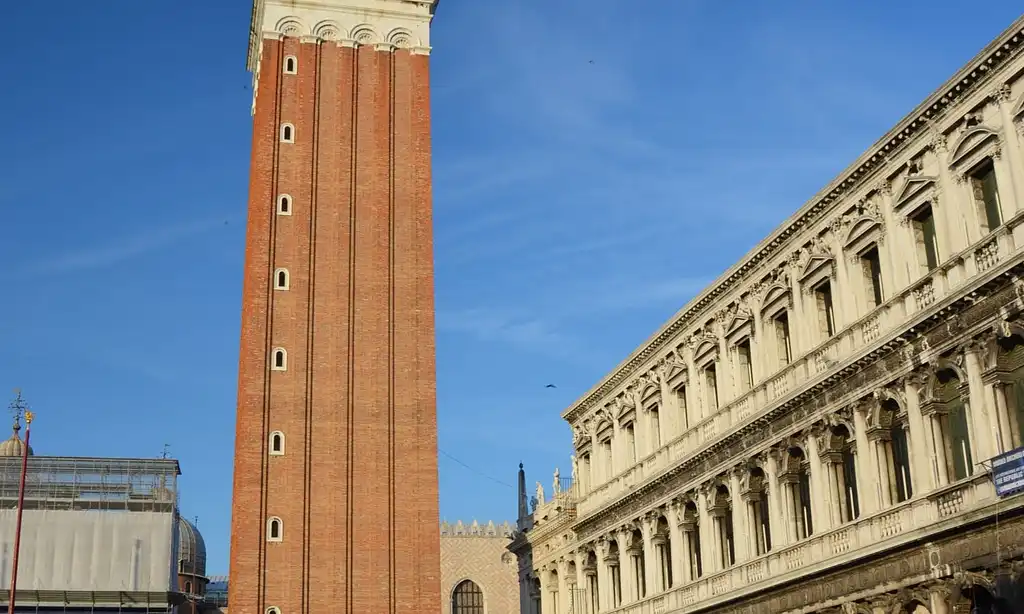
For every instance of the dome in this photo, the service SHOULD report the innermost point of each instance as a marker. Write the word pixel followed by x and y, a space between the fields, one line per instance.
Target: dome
pixel 14 446
pixel 191 549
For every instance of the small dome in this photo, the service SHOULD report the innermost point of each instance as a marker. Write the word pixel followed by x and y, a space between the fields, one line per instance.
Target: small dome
pixel 191 549
pixel 14 446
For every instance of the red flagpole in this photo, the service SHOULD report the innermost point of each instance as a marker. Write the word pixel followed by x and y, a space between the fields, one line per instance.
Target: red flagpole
pixel 21 508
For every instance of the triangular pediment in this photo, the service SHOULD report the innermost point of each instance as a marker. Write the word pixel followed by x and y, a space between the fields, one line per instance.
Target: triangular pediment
pixel 970 142
pixel 914 186
pixel 736 322
pixel 814 264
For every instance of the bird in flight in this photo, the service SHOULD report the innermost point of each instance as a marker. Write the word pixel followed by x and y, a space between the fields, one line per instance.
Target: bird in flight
pixel 551 386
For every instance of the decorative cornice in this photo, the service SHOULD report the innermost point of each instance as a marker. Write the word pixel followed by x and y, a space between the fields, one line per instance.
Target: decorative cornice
pixel 385 24
pixel 865 171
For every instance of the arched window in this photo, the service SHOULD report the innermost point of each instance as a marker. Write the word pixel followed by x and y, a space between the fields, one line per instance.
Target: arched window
pixel 281 279
pixel 188 588
pixel 290 65
pixel 284 205
pixel 467 598
pixel 277 443
pixel 275 530
pixel 273 610
pixel 280 360
pixel 287 133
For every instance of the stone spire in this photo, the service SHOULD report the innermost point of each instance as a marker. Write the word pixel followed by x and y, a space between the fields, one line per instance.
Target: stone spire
pixel 524 507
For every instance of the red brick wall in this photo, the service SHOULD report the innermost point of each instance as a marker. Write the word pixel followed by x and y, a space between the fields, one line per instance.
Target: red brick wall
pixel 357 486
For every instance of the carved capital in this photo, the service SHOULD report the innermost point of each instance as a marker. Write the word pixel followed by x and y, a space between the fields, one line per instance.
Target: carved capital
pixel 1000 94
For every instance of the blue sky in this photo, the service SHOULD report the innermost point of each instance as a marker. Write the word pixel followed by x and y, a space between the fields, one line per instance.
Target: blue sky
pixel 597 163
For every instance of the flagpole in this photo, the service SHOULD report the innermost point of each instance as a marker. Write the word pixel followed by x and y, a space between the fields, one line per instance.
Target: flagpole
pixel 21 508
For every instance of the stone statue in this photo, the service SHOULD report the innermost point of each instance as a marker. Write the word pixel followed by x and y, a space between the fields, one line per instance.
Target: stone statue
pixel 540 494
pixel 575 467
pixel 556 486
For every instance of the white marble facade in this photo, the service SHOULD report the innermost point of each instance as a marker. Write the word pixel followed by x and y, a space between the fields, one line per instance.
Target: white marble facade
pixel 831 401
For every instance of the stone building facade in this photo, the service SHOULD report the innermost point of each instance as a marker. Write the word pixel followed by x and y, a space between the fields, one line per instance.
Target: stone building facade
pixel 478 573
pixel 814 432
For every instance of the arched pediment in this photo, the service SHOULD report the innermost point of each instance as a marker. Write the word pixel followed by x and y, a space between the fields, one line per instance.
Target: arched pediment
pixel 914 186
pixel 859 229
pixel 706 346
pixel 775 293
pixel 969 143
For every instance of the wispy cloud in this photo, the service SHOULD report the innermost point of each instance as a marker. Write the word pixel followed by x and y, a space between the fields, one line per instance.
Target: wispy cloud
pixel 549 323
pixel 116 251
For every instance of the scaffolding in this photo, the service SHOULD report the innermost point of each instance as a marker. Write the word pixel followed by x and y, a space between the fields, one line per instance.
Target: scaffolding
pixel 80 483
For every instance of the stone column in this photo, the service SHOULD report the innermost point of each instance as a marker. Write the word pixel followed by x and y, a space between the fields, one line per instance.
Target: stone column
pixel 652 566
pixel 580 585
pixel 741 528
pixel 604 576
pixel 548 592
pixel 939 595
pixel 922 452
pixel 883 470
pixel 668 408
pixel 707 533
pixel 866 462
pixel 759 350
pixel 725 371
pixel 776 509
pixel 820 517
pixel 797 334
pixel 846 308
pixel 939 447
pixel 1001 96
pixel 695 409
pixel 997 392
pixel 620 459
pixel 951 233
pixel 597 463
pixel 563 586
pixel 626 577
pixel 977 411
pixel 677 545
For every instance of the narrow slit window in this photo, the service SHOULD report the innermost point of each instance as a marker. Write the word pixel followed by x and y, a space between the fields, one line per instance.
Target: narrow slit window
pixel 290 65
pixel 280 360
pixel 287 133
pixel 281 279
pixel 284 205
pixel 277 443
pixel 274 530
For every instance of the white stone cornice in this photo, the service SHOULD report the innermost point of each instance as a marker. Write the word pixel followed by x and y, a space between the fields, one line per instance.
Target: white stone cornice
pixel 385 24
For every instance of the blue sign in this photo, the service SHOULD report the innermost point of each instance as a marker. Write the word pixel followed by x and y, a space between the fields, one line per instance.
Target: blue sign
pixel 1008 472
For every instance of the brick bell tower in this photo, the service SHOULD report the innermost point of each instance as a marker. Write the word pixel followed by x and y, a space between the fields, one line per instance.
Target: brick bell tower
pixel 335 505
